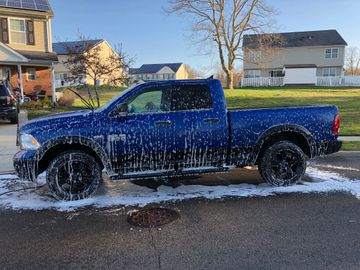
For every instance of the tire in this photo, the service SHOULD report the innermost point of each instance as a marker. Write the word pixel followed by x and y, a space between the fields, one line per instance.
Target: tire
pixel 282 164
pixel 73 175
pixel 14 120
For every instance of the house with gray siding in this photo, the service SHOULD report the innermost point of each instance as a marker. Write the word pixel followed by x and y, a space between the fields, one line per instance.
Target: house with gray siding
pixel 298 58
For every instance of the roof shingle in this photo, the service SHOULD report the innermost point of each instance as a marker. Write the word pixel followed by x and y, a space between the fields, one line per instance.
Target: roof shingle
pixel 299 39
pixel 62 48
pixel 154 68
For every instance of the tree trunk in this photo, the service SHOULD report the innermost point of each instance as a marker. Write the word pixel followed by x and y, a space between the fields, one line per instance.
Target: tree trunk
pixel 96 93
pixel 230 80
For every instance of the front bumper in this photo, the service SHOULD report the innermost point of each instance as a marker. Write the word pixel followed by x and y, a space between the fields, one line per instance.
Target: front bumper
pixel 25 164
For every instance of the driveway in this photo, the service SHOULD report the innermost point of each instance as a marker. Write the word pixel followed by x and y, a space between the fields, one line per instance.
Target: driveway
pixel 7 146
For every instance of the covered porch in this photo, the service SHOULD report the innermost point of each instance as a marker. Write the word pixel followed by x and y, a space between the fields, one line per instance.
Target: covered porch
pixel 31 72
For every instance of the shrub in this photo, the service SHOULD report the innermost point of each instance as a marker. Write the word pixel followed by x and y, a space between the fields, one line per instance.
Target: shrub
pixel 46 103
pixel 67 98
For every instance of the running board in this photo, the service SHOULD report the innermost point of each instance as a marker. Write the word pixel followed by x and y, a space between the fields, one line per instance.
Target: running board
pixel 153 174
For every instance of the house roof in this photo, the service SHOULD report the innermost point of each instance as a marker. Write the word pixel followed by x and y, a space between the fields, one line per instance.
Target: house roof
pixel 39 56
pixel 154 68
pixel 299 39
pixel 62 48
pixel 36 5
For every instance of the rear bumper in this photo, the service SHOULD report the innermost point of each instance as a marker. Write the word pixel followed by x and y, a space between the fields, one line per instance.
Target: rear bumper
pixel 329 147
pixel 25 164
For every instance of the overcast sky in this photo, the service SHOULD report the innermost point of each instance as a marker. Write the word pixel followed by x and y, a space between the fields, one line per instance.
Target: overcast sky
pixel 150 35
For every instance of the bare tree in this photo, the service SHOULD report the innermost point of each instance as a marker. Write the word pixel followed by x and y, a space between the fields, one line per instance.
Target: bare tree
pixel 224 23
pixel 221 76
pixel 353 61
pixel 192 72
pixel 91 62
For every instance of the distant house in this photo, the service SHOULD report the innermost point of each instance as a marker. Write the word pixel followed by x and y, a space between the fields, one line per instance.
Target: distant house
pixel 154 72
pixel 26 56
pixel 301 58
pixel 62 49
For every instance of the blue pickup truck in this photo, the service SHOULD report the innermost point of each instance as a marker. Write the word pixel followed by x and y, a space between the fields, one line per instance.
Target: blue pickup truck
pixel 172 128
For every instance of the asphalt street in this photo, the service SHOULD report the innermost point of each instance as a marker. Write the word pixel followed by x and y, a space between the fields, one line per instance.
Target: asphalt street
pixel 293 231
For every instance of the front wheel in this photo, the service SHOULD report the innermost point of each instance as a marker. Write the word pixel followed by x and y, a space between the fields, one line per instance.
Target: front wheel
pixel 282 164
pixel 73 175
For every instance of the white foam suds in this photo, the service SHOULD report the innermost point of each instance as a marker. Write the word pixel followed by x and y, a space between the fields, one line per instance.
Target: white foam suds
pixel 126 193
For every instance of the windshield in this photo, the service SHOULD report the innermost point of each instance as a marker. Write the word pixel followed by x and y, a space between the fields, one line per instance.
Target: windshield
pixel 111 101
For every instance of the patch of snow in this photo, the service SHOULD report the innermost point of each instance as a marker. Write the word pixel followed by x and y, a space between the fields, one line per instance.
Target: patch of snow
pixel 126 193
pixel 336 167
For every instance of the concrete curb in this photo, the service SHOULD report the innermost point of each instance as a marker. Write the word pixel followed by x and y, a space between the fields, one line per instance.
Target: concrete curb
pixel 350 138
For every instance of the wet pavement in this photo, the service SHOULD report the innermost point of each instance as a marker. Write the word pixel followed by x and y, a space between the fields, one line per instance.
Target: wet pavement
pixel 281 231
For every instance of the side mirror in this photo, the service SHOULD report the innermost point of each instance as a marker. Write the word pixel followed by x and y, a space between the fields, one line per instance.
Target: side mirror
pixel 121 110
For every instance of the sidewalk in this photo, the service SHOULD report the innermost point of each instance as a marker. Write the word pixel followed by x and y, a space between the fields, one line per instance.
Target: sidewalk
pixel 8 146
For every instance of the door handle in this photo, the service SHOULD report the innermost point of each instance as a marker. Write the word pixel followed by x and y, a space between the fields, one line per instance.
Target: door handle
pixel 163 123
pixel 211 120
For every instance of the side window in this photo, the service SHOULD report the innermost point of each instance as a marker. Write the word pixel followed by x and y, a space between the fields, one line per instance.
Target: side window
pixel 151 100
pixel 190 97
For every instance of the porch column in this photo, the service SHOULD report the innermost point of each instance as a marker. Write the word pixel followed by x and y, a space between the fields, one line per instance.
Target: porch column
pixel 53 89
pixel 20 80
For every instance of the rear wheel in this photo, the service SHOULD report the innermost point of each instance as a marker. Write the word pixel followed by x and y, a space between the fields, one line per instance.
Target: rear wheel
pixel 282 164
pixel 73 175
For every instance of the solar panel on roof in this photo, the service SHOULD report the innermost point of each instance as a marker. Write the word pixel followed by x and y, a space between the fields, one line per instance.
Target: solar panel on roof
pixel 42 5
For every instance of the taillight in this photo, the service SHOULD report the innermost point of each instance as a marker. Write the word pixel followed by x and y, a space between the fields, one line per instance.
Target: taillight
pixel 336 127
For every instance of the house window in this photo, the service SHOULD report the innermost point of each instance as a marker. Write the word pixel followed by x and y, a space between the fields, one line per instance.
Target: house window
pixel 329 72
pixel 331 53
pixel 31 74
pixel 17 31
pixel 254 56
pixel 63 76
pixel 276 73
pixel 253 74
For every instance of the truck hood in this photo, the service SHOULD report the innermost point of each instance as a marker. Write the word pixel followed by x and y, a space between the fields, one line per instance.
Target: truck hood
pixel 67 119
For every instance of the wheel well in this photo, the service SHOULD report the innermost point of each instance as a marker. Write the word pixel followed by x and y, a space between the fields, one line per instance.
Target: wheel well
pixel 60 148
pixel 290 136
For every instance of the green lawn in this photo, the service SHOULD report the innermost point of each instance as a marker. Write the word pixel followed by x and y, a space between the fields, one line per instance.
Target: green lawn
pixel 347 99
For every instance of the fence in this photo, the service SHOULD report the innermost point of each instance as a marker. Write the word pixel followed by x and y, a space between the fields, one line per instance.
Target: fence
pixel 262 81
pixel 339 81
pixel 62 83
pixel 321 81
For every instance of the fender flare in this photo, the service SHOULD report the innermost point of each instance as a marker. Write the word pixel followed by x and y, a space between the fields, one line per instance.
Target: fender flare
pixel 293 128
pixel 84 141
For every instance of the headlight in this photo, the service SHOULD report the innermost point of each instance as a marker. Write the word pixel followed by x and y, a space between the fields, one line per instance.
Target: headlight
pixel 28 142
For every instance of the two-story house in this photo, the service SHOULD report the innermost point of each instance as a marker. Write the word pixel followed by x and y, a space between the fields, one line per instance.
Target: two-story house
pixel 64 49
pixel 300 57
pixel 156 72
pixel 26 56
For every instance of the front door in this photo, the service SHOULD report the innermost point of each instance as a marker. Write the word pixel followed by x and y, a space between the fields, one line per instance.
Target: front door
pixel 143 140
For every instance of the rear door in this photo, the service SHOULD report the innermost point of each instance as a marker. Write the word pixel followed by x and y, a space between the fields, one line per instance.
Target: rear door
pixel 200 126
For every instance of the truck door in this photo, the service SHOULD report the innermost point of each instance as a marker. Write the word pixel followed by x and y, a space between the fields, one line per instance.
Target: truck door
pixel 201 126
pixel 143 140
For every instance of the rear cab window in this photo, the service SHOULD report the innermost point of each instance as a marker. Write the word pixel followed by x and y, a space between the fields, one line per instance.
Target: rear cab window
pixel 191 97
